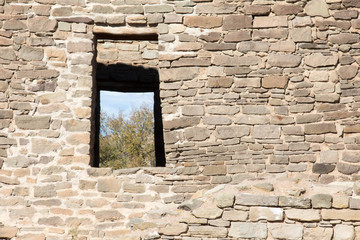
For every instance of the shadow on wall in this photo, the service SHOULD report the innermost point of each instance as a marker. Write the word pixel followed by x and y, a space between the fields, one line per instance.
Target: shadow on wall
pixel 127 78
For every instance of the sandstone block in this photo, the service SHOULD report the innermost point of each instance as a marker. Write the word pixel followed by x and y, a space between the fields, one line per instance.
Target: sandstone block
pixel 8 232
pixel 108 185
pixel 283 46
pixel 237 36
pixel 257 10
pixel 270 33
pixel 295 202
pixel 253 46
pixel 317 8
pixel 318 233
pixel 232 132
pixel 67 11
pixel 163 8
pixel 208 231
pixel 256 200
pixel 323 168
pixel 265 213
pixel 284 60
pixel 13 24
pixel 351 156
pixel 174 229
pixel 320 60
pixel 351 3
pixel 321 201
pixel 4 74
pixel 344 232
pixel 108 215
pixel 6 114
pixel 134 188
pixel 202 21
pixel 213 170
pixel 320 128
pixel 286 9
pixel 266 132
pixel 215 8
pixel 197 133
pixel 18 162
pixel 344 38
pixel 40 145
pixel 354 203
pixel 302 215
pixel 224 200
pixel 222 82
pixel 255 109
pixel 207 211
pixel 32 122
pixel 193 110
pixel 352 129
pixel 9 180
pixel 178 74
pixel 81 46
pixel 347 169
pixel 181 122
pixel 223 60
pixel 274 81
pixel 45 191
pixel 222 110
pixel 236 22
pixel 234 215
pixel 348 72
pixel 252 119
pixel 74 125
pixel 301 34
pixel 270 22
pixel 216 120
pixel 286 231
pixel 7 53
pixel 42 24
pixel 248 230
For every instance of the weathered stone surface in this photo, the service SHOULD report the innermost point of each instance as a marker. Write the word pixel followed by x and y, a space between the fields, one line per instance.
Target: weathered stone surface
pixel 8 232
pixel 208 211
pixel 235 22
pixel 256 200
pixel 323 168
pixel 181 122
pixel 284 60
pixel 267 131
pixel 320 128
pixel 45 191
pixel 232 132
pixel 202 21
pixel 224 200
pixel 134 188
pixel 351 156
pixel 197 133
pixel 286 9
pixel 348 72
pixel 295 202
pixel 208 231
pixel 265 213
pixel 216 120
pixel 237 36
pixel 257 10
pixel 317 8
pixel 32 122
pixel 214 170
pixel 286 231
pixel 251 119
pixel 303 215
pixel 301 34
pixel 321 201
pixel 274 81
pixel 253 46
pixel 320 60
pixel 222 82
pixel 7 53
pixel 174 229
pixel 344 232
pixel 351 3
pixel 215 8
pixel 248 230
pixel 108 185
pixel 270 22
pixel 235 215
pixel 108 215
pixel 42 24
pixel 344 38
pixel 18 161
pixel 178 74
pixel 318 233
pixel 347 169
pixel 40 145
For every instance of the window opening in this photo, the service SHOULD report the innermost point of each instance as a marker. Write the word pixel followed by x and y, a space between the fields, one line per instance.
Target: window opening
pixel 117 78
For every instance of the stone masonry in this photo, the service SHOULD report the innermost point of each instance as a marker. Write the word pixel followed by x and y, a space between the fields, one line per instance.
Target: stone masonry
pixel 260 107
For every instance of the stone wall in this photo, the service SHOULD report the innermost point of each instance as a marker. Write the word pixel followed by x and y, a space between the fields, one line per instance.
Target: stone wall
pixel 255 94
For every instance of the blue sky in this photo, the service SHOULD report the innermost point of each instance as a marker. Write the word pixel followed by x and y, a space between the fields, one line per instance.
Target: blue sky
pixel 113 102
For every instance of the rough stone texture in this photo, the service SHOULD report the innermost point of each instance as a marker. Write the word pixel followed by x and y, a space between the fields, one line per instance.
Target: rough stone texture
pixel 248 230
pixel 343 232
pixel 286 231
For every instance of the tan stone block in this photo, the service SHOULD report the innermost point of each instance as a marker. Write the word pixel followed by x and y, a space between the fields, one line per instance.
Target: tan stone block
pixel 265 213
pixel 286 9
pixel 61 211
pixel 318 233
pixel 32 122
pixel 236 22
pixel 303 215
pixel 108 215
pixel 284 60
pixel 202 21
pixel 31 236
pixel 270 22
pixel 42 24
pixel 78 138
pixel 55 54
pixel 134 188
pixel 108 185
pixel 234 215
pixel 174 229
pixel 51 221
pixel 8 232
pixel 257 10
pixel 222 82
pixel 66 193
pixel 274 81
pixel 237 36
pixel 40 145
pixel 320 60
pixel 208 231
pixel 283 46
pixel 215 8
pixel 317 8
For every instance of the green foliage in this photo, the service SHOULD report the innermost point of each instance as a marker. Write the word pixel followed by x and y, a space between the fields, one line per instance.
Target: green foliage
pixel 127 142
